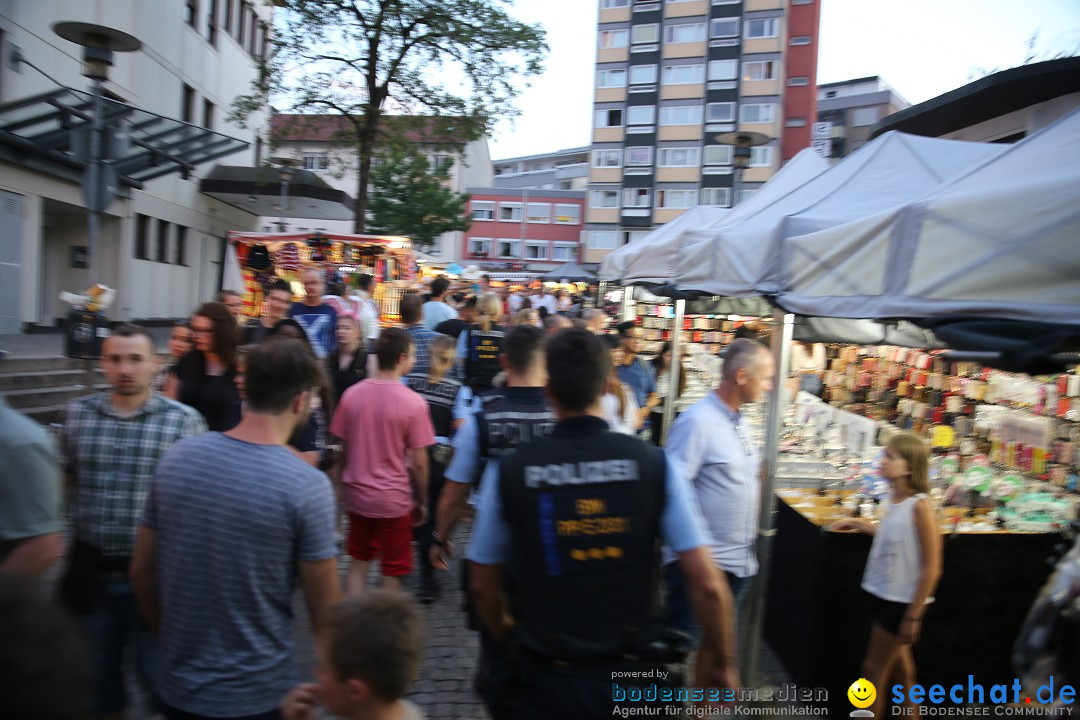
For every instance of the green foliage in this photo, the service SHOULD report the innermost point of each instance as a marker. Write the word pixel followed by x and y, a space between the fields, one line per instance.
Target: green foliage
pixel 460 61
pixel 410 198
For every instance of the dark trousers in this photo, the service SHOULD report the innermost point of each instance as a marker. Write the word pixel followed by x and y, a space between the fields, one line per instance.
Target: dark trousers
pixel 680 613
pixel 173 714
pixel 435 484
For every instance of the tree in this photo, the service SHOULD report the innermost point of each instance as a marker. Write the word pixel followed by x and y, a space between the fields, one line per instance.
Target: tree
pixel 457 61
pixel 409 198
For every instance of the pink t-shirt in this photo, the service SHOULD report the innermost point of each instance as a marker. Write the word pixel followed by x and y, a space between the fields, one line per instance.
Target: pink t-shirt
pixel 380 421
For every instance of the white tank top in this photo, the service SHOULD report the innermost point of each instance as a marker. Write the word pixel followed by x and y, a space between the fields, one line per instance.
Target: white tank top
pixel 895 563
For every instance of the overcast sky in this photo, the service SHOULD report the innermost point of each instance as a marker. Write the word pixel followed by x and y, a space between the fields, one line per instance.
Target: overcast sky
pixel 922 48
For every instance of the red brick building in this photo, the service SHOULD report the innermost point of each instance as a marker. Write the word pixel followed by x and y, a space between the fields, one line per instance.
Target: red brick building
pixel 524 229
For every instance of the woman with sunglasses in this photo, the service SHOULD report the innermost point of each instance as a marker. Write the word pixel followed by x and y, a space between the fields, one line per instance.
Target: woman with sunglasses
pixel 205 376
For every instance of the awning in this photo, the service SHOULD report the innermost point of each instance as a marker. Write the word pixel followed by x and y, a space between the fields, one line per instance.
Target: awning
pixel 50 133
pixel 258 190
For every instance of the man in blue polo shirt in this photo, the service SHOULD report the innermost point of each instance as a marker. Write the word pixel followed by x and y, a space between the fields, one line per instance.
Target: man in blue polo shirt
pixel 318 318
pixel 635 372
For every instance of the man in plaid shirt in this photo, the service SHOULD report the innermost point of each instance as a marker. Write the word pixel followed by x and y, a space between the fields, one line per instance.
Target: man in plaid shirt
pixel 112 442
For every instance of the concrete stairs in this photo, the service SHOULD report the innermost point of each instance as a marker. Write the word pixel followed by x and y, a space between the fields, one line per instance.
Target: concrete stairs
pixel 40 386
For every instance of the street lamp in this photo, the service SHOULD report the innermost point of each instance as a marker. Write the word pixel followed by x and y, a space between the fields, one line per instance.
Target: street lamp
pixel 286 171
pixel 100 180
pixel 743 140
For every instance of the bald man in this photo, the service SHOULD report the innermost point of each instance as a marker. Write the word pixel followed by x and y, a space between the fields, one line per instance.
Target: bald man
pixel 318 318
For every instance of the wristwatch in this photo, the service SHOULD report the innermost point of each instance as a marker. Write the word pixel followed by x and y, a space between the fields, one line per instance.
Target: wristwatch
pixel 436 539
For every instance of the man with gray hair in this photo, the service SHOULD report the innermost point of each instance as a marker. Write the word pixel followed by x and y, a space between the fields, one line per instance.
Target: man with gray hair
pixel 596 321
pixel 712 445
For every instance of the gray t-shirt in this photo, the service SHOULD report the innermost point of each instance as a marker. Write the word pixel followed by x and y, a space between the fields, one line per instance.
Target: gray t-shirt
pixel 29 480
pixel 233 520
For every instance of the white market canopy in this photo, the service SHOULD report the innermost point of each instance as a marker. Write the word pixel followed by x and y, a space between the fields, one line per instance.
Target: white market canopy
pixel 654 258
pixel 744 258
pixel 1001 240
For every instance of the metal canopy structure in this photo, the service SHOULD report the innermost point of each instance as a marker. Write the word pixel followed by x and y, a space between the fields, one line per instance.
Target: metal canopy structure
pixel 258 190
pixel 50 133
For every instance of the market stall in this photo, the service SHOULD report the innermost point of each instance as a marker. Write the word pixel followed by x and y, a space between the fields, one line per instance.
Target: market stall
pixel 261 258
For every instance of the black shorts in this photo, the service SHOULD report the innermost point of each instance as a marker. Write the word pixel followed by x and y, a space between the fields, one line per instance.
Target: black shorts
pixel 886 613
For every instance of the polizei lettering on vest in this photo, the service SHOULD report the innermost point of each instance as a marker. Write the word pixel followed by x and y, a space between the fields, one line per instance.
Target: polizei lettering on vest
pixel 581 473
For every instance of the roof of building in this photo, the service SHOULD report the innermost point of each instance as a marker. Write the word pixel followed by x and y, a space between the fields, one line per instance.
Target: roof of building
pixel 296 127
pixel 854 81
pixel 987 98
pixel 540 156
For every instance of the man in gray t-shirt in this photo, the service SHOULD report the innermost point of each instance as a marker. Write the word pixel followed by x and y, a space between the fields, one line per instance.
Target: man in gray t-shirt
pixel 234 523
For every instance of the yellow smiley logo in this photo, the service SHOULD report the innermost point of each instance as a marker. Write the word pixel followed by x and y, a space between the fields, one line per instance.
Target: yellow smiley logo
pixel 862 693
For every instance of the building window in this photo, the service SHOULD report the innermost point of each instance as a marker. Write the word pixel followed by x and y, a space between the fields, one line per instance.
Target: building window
pixel 690 32
pixel 610 4
pixel 161 253
pixel 609 118
pixel 766 28
pixel 757 113
pixel 642 74
pixel 717 155
pixel 605 158
pixel 600 199
pixel 611 78
pixel 611 39
pixel 564 253
pixel 227 17
pixel 681 115
pixel 508 248
pixel 641 115
pixel 241 19
pixel 142 237
pixel 567 214
pixel 509 212
pixel 683 74
pixel 723 69
pixel 716 197
pixel 861 117
pixel 798 81
pixel 761 157
pixel 480 247
pixel 678 157
pixel 759 70
pixel 539 213
pixel 634 235
pixel 722 112
pixel 211 21
pixel 181 245
pixel 208 115
pixel 636 197
pixel 802 2
pixel 191 12
pixel 676 199
pixel 316 162
pixel 638 156
pixel 603 239
pixel 440 162
pixel 795 122
pixel 187 104
pixel 536 250
pixel 483 210
pixel 645 34
pixel 725 27
pixel 800 40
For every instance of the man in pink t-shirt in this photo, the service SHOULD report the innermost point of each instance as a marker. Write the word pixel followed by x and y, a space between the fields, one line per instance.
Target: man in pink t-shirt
pixel 385 429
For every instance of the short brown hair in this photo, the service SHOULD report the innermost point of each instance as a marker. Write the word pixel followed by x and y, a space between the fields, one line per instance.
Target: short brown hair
pixel 377 637
pixel 412 309
pixel 391 344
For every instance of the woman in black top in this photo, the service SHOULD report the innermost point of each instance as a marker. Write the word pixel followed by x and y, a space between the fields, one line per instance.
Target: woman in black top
pixel 204 377
pixel 347 363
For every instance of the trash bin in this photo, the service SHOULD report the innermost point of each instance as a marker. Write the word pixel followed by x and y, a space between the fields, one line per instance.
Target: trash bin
pixel 83 334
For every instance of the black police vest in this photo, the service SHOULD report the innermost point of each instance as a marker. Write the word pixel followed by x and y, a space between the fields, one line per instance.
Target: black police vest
pixel 482 350
pixel 584 510
pixel 509 417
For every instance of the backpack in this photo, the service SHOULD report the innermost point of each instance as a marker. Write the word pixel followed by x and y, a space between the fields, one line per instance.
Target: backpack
pixel 258 258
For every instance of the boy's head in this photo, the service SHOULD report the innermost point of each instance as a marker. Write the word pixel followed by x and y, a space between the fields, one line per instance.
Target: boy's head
pixel 370 651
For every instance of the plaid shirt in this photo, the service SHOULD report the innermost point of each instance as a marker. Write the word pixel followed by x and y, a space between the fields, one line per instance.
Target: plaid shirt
pixel 422 338
pixel 113 459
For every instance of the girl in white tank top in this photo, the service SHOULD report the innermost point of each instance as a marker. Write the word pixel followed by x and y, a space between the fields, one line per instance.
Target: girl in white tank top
pixel 903 568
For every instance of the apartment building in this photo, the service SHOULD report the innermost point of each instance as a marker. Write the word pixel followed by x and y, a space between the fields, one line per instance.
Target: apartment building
pixel 852 108
pixel 523 229
pixel 560 170
pixel 671 75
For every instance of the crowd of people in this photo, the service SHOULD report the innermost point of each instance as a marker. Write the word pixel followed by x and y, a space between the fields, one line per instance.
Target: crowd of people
pixel 204 494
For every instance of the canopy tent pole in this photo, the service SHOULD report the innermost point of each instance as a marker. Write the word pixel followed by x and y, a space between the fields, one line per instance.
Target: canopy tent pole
pixel 783 330
pixel 673 375
pixel 628 303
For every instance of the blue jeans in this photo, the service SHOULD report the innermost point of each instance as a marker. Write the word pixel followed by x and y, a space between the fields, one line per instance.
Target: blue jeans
pixel 680 613
pixel 113 625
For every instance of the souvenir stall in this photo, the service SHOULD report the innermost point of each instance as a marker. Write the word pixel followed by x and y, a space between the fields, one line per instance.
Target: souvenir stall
pixel 996 241
pixel 263 257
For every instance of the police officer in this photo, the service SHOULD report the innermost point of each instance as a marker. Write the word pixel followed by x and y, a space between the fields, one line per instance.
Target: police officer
pixel 480 344
pixel 504 418
pixel 577 519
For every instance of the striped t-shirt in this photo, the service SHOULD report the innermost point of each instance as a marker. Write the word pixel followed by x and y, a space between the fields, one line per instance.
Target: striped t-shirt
pixel 232 521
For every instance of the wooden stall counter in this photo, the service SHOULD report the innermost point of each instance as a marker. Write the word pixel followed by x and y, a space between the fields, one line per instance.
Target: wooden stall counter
pixel 817 617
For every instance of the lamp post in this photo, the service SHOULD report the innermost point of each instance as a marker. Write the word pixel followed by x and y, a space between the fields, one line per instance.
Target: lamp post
pixel 99 180
pixel 742 140
pixel 286 171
